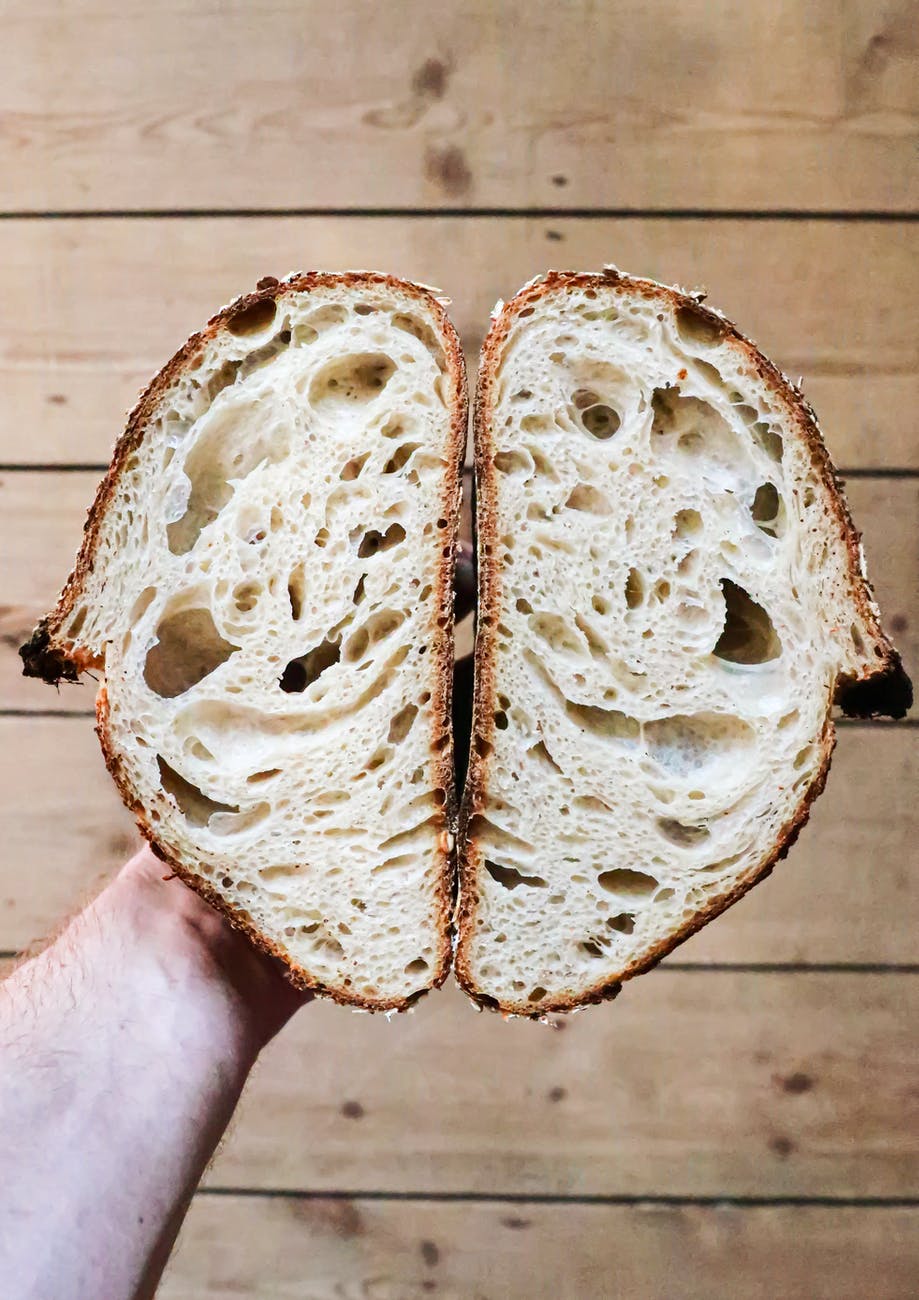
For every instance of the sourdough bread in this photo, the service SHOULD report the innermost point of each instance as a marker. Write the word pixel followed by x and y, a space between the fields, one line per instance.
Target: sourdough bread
pixel 265 588
pixel 671 597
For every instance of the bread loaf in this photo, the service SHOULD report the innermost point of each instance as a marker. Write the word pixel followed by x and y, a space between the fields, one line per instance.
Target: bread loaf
pixel 265 590
pixel 671 597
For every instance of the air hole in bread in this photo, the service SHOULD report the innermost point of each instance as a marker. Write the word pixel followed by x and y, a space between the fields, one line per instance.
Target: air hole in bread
pixel 414 836
pixel 188 649
pixel 351 380
pixel 687 523
pixel 514 462
pixel 252 319
pixel 225 451
pixel 416 967
pixel 589 499
pixel 557 633
pixel 593 947
pixel 511 878
pixel 684 743
pixel 281 873
pixel 634 589
pixel 600 605
pixel 257 778
pixel 193 803
pixel 374 541
pixel 622 923
pixel 245 596
pixel 627 883
pixel 770 441
pixel 689 563
pixel 767 505
pixel 138 609
pixel 374 629
pixel 400 456
pixel 333 313
pixel 401 723
pixel 601 421
pixel 540 752
pixel 419 330
pixel 296 592
pixel 352 468
pixel 606 724
pixel 707 371
pixel 682 834
pixel 543 465
pixel 595 643
pixel 696 325
pixel 748 636
pixel 484 829
pixel 306 669
pixel 195 749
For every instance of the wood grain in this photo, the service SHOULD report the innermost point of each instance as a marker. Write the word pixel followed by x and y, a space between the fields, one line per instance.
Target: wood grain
pixel 42 513
pixel 847 893
pixel 639 104
pixel 404 1250
pixel 701 1083
pixel 90 309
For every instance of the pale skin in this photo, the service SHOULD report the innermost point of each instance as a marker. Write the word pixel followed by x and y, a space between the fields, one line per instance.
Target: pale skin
pixel 124 1048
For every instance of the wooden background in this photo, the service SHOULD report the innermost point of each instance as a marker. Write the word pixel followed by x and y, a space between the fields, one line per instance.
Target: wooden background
pixel 743 1121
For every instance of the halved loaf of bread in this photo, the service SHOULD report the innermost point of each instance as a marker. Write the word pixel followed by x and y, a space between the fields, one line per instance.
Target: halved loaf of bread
pixel 671 597
pixel 265 586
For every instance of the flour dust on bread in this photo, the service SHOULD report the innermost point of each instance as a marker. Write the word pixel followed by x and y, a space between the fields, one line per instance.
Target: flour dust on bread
pixel 265 587
pixel 671 595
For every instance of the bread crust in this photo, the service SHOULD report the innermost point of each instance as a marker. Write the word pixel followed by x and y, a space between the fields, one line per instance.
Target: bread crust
pixel 884 691
pixel 47 656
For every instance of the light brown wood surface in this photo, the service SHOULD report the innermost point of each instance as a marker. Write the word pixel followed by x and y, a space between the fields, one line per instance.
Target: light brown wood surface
pixel 640 104
pixel 409 1250
pixel 700 1083
pixel 90 309
pixel 804 1090
pixel 848 892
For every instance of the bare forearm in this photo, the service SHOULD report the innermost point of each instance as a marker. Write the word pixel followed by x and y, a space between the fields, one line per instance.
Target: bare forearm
pixel 123 1050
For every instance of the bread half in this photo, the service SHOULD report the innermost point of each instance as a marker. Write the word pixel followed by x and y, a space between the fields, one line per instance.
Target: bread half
pixel 671 598
pixel 265 587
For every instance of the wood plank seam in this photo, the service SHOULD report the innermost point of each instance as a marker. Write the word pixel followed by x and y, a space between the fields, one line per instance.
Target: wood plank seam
pixel 547 1198
pixel 559 213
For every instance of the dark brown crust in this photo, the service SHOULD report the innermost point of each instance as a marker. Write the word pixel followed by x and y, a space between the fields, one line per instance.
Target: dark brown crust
pixel 48 656
pixel 885 690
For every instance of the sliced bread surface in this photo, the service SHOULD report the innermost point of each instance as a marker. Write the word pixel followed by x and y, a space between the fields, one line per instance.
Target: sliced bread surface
pixel 671 597
pixel 265 588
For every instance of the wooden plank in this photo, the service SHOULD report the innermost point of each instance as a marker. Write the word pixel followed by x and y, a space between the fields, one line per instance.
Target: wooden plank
pixel 846 894
pixel 638 104
pixel 89 309
pixel 41 517
pixel 241 1246
pixel 696 1083
pixel 65 829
